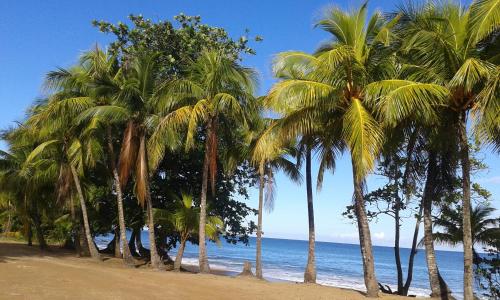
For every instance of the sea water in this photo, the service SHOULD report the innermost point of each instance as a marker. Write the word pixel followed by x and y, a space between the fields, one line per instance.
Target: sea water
pixel 337 264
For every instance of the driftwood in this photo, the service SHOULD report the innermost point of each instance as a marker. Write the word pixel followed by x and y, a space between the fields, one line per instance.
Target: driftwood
pixel 387 289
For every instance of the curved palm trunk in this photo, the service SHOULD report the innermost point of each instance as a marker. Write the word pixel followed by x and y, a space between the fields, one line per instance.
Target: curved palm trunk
pixel 74 228
pixel 466 205
pixel 202 247
pixel 127 256
pixel 180 253
pixel 438 287
pixel 92 248
pixel 365 241
pixel 397 254
pixel 310 272
pixel 258 246
pixel 413 252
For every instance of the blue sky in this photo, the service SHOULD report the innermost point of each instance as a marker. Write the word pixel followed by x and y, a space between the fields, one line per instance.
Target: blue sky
pixel 37 36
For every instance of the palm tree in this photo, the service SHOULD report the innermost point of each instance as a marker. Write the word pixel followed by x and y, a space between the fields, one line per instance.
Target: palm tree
pixel 269 154
pixel 141 103
pixel 334 83
pixel 63 144
pixel 97 75
pixel 185 219
pixel 220 91
pixel 448 45
pixel 20 180
pixel 485 227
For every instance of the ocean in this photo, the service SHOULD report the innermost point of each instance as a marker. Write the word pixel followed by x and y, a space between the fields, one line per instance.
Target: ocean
pixel 337 264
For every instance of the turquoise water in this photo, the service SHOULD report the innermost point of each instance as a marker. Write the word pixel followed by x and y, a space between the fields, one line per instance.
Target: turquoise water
pixel 337 264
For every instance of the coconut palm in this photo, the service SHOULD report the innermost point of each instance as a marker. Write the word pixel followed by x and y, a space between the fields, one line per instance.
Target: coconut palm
pixel 20 181
pixel 269 154
pixel 96 75
pixel 62 143
pixel 485 227
pixel 334 82
pixel 323 136
pixel 220 91
pixel 185 219
pixel 141 103
pixel 448 45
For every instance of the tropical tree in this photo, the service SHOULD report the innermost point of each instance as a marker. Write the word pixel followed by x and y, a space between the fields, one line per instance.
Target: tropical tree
pixel 450 46
pixel 97 76
pixel 269 154
pixel 485 228
pixel 141 104
pixel 16 171
pixel 63 144
pixel 185 219
pixel 220 91
pixel 335 83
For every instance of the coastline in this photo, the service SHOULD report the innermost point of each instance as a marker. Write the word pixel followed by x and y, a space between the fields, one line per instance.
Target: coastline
pixel 28 273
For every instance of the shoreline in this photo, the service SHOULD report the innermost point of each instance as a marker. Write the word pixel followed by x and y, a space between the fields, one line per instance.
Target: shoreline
pixel 28 273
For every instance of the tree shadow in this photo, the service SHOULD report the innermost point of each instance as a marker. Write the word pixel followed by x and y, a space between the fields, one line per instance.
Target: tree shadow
pixel 12 250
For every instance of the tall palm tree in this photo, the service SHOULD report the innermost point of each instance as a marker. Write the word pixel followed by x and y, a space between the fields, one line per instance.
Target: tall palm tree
pixel 322 135
pixel 335 82
pixel 269 154
pixel 141 103
pixel 97 75
pixel 221 93
pixel 448 45
pixel 63 144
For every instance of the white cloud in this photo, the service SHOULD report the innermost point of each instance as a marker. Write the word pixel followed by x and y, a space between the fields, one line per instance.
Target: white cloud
pixel 379 235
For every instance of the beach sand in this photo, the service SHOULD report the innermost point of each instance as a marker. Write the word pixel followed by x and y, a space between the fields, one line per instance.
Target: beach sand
pixel 28 273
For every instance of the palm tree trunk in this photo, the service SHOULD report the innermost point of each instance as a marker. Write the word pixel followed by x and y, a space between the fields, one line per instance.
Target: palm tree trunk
pixel 155 258
pixel 438 289
pixel 127 256
pixel 258 246
pixel 116 247
pixel 202 247
pixel 92 248
pixel 30 234
pixel 39 231
pixel 413 252
pixel 466 206
pixel 397 254
pixel 35 216
pixel 180 253
pixel 310 272
pixel 365 241
pixel 74 228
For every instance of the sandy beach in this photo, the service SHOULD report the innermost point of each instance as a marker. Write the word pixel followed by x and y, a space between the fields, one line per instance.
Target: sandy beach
pixel 28 273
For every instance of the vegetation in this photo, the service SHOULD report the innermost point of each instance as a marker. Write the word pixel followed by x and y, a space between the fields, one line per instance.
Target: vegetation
pixel 402 93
